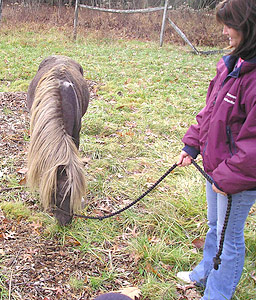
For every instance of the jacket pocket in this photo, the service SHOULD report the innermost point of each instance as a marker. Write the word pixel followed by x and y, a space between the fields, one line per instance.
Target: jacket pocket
pixel 230 141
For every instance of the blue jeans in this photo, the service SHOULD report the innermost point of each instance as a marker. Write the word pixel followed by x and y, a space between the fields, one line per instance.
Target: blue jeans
pixel 221 284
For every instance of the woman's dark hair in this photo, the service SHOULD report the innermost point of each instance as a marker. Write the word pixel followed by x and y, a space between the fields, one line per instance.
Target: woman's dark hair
pixel 241 16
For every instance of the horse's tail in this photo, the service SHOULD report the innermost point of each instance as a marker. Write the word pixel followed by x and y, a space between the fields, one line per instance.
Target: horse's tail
pixel 51 147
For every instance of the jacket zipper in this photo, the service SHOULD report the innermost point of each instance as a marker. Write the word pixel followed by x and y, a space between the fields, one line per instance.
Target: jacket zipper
pixel 204 148
pixel 230 141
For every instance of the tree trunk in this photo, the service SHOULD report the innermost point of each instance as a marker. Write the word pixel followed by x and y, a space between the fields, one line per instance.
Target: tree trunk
pixel 143 3
pixel 1 4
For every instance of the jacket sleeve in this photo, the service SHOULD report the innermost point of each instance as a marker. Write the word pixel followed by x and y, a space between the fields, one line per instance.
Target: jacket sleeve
pixel 238 173
pixel 191 138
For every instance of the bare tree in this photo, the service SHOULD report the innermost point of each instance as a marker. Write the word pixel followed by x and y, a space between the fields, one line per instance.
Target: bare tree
pixel 121 4
pixel 1 5
pixel 144 3
pixel 199 4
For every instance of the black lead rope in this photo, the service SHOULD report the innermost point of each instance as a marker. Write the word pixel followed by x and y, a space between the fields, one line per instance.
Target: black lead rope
pixel 216 259
pixel 132 203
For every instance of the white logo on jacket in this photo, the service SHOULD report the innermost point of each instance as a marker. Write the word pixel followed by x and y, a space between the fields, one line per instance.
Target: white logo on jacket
pixel 229 98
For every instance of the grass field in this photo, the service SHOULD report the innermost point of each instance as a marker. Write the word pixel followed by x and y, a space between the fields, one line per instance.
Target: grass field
pixel 145 97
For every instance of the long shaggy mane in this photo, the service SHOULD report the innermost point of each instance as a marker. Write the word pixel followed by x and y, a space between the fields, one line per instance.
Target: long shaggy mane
pixel 51 147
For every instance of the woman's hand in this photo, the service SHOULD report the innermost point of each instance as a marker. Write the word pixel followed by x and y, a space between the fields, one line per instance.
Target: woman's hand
pixel 216 190
pixel 184 159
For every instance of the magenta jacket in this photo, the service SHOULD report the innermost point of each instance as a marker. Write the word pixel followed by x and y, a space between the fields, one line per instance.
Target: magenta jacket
pixel 225 133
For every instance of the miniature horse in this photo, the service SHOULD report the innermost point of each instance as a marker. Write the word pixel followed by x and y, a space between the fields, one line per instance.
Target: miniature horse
pixel 57 99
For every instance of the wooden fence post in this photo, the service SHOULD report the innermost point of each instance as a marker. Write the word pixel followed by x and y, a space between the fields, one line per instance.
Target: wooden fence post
pixel 163 23
pixel 182 35
pixel 75 20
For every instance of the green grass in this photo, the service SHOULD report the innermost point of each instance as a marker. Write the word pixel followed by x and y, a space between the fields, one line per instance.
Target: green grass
pixel 3 291
pixel 146 98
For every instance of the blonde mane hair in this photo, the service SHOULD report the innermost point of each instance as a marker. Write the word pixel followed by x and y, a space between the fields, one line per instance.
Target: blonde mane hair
pixel 52 147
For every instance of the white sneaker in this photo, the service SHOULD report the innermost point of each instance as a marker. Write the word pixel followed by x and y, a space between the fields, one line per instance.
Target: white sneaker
pixel 184 276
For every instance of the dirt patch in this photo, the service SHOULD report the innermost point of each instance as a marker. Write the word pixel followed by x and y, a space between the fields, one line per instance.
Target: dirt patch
pixel 38 268
pixel 14 124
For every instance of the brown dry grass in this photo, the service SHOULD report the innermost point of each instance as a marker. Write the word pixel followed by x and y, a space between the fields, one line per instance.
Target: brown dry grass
pixel 199 26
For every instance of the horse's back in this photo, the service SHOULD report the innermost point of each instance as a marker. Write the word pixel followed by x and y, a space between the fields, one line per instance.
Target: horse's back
pixel 74 74
pixel 72 88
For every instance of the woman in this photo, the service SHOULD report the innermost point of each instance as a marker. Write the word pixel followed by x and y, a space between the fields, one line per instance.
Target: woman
pixel 225 136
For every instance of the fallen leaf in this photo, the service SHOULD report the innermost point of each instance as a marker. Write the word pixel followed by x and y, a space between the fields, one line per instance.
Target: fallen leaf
pixel 198 243
pixel 253 275
pixel 192 294
pixel 132 292
pixel 23 181
pixel 150 268
pixel 128 81
pixel 72 241
pixel 59 291
pixel 36 225
pixel 120 107
pixel 22 171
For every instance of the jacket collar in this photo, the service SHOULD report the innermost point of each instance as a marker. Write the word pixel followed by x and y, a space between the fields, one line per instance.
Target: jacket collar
pixel 245 67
